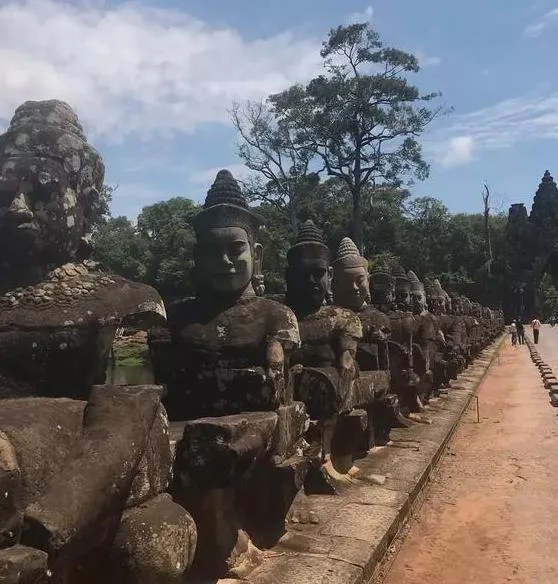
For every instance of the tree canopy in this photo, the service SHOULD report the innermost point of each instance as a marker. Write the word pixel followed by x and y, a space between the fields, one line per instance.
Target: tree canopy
pixel 359 121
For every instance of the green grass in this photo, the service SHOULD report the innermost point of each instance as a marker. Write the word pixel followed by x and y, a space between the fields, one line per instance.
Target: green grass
pixel 131 356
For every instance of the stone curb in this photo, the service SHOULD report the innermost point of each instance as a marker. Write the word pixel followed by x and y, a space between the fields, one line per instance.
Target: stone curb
pixel 550 382
pixel 357 526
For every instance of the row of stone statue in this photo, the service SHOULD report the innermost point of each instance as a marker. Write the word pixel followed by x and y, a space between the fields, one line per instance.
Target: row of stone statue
pixel 271 400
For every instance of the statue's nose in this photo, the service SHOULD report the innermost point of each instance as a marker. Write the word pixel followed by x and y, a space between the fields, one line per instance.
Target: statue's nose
pixel 19 210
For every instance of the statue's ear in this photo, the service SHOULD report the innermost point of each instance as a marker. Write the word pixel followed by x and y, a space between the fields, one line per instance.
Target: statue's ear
pixel 195 253
pixel 258 259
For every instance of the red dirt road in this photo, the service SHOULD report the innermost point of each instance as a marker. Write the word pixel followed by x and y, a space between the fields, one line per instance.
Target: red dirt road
pixel 491 513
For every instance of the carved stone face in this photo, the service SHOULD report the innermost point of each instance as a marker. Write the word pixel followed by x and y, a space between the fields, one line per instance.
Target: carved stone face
pixel 350 288
pixel 457 306
pixel 308 280
pixel 40 219
pixel 224 259
pixel 437 305
pixel 418 301
pixel 402 297
pixel 382 290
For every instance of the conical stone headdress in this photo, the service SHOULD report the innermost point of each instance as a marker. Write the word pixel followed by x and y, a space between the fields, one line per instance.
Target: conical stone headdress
pixel 309 244
pixel 401 279
pixel 434 289
pixel 225 206
pixel 416 284
pixel 348 256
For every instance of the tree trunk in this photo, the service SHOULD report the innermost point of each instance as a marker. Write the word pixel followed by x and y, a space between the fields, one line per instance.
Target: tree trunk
pixel 488 242
pixel 358 228
pixel 293 216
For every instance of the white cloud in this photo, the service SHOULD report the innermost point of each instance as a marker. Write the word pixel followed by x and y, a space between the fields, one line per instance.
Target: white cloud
pixel 365 16
pixel 459 150
pixel 537 27
pixel 134 68
pixel 502 125
pixel 130 198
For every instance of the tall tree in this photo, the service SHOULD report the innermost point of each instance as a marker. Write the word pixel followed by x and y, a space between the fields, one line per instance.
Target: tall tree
pixel 267 146
pixel 488 242
pixel 167 228
pixel 362 117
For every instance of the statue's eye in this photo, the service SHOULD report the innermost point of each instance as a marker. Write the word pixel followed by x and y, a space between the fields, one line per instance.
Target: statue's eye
pixel 237 248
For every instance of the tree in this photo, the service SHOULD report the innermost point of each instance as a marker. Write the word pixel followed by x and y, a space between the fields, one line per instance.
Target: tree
pixel 268 147
pixel 119 249
pixel 167 229
pixel 426 246
pixel 361 118
pixel 100 212
pixel 488 242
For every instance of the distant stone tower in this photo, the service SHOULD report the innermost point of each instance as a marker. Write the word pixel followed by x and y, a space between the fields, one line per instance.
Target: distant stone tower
pixel 532 249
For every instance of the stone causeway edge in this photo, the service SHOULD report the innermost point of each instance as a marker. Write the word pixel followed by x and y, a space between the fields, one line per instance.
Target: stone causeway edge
pixel 549 379
pixel 356 527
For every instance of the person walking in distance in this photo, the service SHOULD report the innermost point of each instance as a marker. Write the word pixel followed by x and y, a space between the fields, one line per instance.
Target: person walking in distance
pixel 536 324
pixel 513 332
pixel 520 331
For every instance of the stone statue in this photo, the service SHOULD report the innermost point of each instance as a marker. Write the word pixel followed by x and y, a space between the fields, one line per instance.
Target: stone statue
pixel 326 368
pixel 226 375
pixel 83 490
pixel 390 290
pixel 76 486
pixel 439 303
pixel 427 339
pixel 58 310
pixel 351 290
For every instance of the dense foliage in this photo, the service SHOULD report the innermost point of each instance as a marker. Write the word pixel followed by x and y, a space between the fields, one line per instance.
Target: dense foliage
pixel 420 232
pixel 357 121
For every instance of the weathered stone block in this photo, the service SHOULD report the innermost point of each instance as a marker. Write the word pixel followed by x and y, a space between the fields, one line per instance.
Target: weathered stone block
pixel 85 498
pixel 11 516
pixel 22 565
pixel 292 423
pixel 214 452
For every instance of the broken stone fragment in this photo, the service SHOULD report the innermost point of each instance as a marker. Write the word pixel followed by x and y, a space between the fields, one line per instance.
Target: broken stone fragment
pixel 22 565
pixel 155 544
pixel 85 499
pixel 292 423
pixel 11 517
pixel 214 452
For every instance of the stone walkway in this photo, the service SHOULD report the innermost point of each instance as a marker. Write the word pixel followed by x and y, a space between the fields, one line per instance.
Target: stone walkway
pixel 490 513
pixel 339 539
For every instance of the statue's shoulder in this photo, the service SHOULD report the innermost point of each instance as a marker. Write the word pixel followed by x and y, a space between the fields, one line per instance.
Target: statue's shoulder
pixel 282 324
pixel 78 294
pixel 345 321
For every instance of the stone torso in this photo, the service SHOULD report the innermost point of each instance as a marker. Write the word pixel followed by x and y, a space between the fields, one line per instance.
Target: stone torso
pixel 220 355
pixel 55 336
pixel 321 333
pixel 372 351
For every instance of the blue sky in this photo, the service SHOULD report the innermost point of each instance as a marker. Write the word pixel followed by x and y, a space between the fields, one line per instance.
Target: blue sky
pixel 152 82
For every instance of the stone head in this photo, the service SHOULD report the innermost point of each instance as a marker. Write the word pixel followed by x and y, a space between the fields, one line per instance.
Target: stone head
pixel 436 297
pixel 466 305
pixel 50 184
pixel 418 294
pixel 457 304
pixel 308 269
pixel 476 310
pixel 402 288
pixel 382 287
pixel 350 277
pixel 226 251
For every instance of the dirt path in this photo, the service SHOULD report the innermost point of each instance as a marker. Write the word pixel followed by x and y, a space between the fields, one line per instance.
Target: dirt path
pixel 491 513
